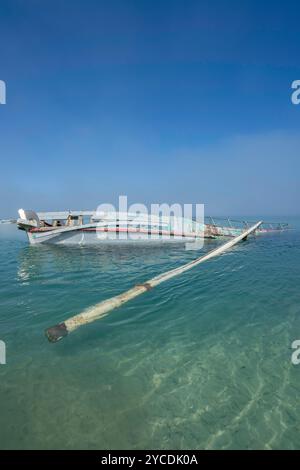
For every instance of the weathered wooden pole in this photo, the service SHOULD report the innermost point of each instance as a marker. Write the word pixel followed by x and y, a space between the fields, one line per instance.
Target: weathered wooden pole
pixel 57 332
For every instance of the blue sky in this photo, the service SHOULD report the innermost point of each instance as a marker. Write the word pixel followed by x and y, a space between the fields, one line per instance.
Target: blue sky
pixel 164 101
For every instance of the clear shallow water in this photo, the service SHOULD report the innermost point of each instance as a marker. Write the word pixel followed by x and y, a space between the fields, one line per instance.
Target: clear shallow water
pixel 202 361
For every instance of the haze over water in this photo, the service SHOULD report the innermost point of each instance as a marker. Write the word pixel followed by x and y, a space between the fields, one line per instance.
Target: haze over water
pixel 201 361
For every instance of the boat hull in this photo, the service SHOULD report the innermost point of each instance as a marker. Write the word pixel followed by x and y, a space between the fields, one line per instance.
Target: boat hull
pixel 92 237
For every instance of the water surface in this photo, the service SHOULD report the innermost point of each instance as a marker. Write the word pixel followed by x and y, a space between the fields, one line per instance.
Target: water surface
pixel 201 361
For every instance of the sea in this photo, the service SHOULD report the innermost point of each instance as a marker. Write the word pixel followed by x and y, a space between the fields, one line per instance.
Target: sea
pixel 203 361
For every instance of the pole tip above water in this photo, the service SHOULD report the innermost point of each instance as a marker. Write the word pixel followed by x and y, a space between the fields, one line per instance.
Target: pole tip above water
pixel 57 332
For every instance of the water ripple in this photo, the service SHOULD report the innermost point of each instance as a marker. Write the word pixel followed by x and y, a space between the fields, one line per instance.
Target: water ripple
pixel 201 361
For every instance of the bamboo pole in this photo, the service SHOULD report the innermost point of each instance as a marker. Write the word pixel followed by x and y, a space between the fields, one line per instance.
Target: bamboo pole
pixel 57 332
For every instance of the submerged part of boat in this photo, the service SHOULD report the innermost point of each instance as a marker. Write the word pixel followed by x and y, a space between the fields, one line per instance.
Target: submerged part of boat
pixel 220 226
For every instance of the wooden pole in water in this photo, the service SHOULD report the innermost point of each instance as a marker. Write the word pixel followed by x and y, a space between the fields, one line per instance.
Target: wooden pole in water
pixel 57 332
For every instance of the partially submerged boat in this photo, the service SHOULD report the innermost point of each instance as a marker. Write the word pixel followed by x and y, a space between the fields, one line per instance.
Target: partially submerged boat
pixel 90 227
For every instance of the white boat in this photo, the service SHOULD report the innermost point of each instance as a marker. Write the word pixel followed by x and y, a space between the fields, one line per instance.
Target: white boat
pixel 90 227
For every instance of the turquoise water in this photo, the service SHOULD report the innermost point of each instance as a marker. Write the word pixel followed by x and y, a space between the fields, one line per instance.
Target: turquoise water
pixel 201 361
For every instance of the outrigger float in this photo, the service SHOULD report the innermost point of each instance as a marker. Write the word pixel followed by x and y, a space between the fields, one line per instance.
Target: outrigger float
pixel 90 227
